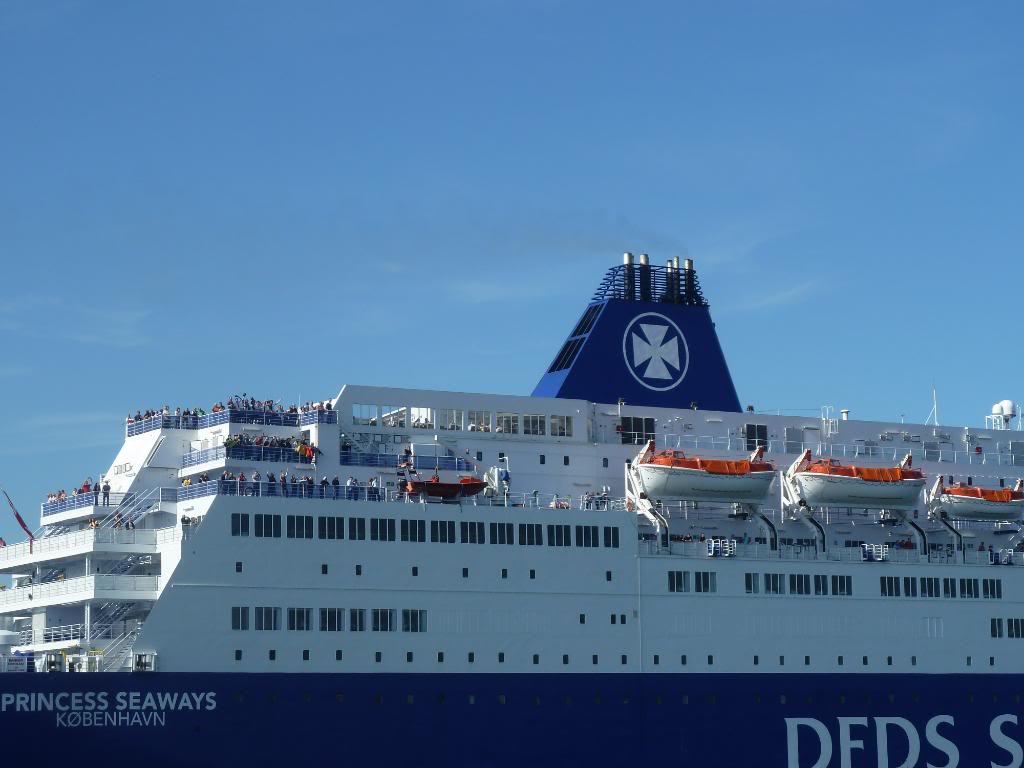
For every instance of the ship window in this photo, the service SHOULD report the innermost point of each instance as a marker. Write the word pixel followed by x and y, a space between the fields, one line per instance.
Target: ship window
pixel 705 581
pixel 968 587
pixel 536 658
pixel 267 526
pixel 357 620
pixel 839 661
pixel 501 657
pixel 421 418
pixel 393 416
pixel 298 619
pixel 799 584
pixel 533 424
pixel 565 461
pixel 239 524
pixel 657 660
pixel 414 620
pixel 607 575
pixel 408 656
pixel 909 586
pixel 332 619
pixel 774 584
pixel 782 661
pixel 415 570
pixel 807 661
pixel 449 419
pixel 267 618
pixel 913 661
pixel 587 321
pixel 565 658
pixel 507 423
pixel 238 655
pixel 382 529
pixel 614 617
pixel 471 532
pixel 561 426
pixel 357 528
pixel 611 537
pixel 997 627
pixel 636 430
pixel 531 534
pixel 479 455
pixel 323 568
pixel 711 660
pixel 502 533
pixel 751 583
pixel 414 530
pixel 930 586
pixel 542 458
pixel 240 618
pixel 864 660
pixel 1014 628
pixel 533 573
pixel 757 660
pixel 238 566
pixel 992 661
pixel 583 618
pixel 465 573
pixel 559 535
pixel 604 463
pixel 756 435
pixel 300 527
pixel 888 660
pixel 383 620
pixel 624 659
pixel 992 588
pixel 377 657
pixel 682 659
pixel 331 527
pixel 479 421
pixel 504 573
pixel 566 355
pixel 359 570
pixel 593 659
pixel 949 587
pixel 442 531
pixel 364 415
pixel 337 655
pixel 305 655
pixel 272 655
pixel 586 536
pixel 821 585
pixel 890 586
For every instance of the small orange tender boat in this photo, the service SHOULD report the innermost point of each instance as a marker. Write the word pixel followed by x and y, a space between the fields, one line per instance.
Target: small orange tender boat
pixel 829 482
pixel 969 502
pixel 674 475
pixel 466 486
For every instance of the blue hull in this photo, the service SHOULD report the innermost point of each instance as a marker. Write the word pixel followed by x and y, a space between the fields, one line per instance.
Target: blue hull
pixel 512 721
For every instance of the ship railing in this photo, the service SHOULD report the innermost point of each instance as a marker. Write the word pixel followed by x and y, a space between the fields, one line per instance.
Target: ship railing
pixel 33 593
pixel 232 416
pixel 281 454
pixel 79 501
pixel 51 634
pixel 84 539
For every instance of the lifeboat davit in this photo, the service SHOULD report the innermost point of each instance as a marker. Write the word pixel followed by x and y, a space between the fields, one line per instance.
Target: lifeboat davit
pixel 465 486
pixel 969 502
pixel 830 483
pixel 668 475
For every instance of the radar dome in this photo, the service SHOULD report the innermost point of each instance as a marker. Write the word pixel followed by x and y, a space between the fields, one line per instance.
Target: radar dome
pixel 1009 409
pixel 997 409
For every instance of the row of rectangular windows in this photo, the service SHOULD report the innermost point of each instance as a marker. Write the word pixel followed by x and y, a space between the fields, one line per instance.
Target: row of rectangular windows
pixel 703 581
pixel 1014 628
pixel 929 586
pixel 268 618
pixel 799 584
pixel 441 531
pixel 457 419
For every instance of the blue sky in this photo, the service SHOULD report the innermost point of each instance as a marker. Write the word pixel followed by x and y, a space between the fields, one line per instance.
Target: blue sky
pixel 203 198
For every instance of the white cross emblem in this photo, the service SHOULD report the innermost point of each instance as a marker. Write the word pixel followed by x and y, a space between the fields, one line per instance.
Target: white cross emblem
pixel 659 356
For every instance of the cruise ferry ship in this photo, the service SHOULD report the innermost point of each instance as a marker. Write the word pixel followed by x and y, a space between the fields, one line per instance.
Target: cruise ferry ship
pixel 624 566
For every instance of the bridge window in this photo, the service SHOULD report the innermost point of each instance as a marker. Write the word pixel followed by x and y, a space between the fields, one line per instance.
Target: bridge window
pixel 586 536
pixel 393 416
pixel 479 421
pixel 636 430
pixel 421 418
pixel 561 426
pixel 239 524
pixel 507 423
pixel 756 435
pixel 267 526
pixel 357 528
pixel 300 527
pixel 533 424
pixel 382 529
pixel 364 415
pixel 450 419
pixel 611 537
pixel 330 527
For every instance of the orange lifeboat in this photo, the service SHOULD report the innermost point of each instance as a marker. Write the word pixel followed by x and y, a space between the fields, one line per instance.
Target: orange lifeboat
pixel 671 474
pixel 971 502
pixel 829 482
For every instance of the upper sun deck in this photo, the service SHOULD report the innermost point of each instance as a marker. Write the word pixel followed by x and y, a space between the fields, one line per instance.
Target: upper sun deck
pixel 230 416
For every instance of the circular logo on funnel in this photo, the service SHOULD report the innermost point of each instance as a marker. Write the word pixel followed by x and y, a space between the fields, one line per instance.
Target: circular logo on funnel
pixel 655 351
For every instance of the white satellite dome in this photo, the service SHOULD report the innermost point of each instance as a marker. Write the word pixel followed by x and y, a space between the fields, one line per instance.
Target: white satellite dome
pixel 997 409
pixel 1009 409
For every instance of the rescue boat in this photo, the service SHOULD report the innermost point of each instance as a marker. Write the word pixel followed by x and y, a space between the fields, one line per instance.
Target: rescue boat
pixel 669 475
pixel 829 482
pixel 465 486
pixel 969 502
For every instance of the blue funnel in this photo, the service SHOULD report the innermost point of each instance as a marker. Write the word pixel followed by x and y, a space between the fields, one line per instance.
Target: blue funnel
pixel 646 338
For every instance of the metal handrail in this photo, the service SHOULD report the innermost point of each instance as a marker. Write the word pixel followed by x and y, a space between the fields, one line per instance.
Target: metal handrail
pixel 37 592
pixel 79 501
pixel 280 454
pixel 233 416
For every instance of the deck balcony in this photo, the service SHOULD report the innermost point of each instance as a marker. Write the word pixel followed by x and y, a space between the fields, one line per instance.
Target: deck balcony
pixel 231 416
pixel 79 589
pixel 68 546
pixel 221 455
